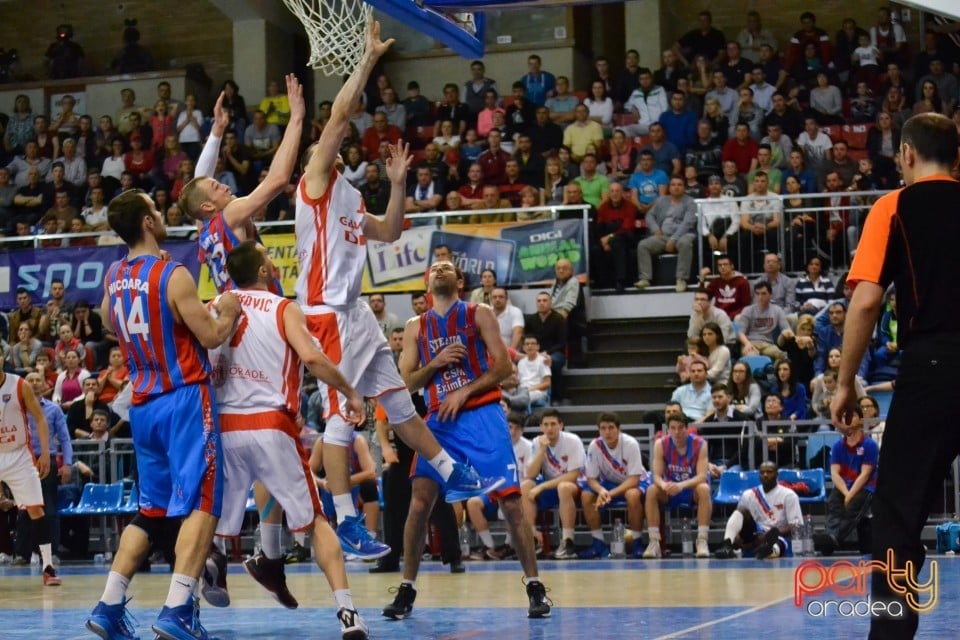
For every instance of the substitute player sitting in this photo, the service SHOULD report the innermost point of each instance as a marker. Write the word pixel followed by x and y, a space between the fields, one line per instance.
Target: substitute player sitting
pixel 363 480
pixel 614 470
pixel 552 472
pixel 765 518
pixel 257 377
pixel 680 467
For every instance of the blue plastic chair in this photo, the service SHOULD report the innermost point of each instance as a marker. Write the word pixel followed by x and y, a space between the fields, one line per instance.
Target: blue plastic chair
pixel 98 499
pixel 756 363
pixel 813 478
pixel 734 483
pixel 883 399
pixel 132 503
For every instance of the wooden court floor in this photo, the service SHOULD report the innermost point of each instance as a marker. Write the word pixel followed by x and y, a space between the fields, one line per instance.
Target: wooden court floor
pixel 675 598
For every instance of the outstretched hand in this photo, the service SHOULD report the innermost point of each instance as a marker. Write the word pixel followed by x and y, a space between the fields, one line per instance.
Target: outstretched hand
pixel 398 162
pixel 221 119
pixel 375 46
pixel 298 109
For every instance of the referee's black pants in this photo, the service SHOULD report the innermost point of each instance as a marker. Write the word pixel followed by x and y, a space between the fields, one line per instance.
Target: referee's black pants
pixel 920 441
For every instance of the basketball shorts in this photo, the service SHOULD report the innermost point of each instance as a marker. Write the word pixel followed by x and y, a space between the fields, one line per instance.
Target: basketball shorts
pixel 682 499
pixel 479 437
pixel 352 339
pixel 275 458
pixel 176 437
pixel 750 543
pixel 610 485
pixel 18 471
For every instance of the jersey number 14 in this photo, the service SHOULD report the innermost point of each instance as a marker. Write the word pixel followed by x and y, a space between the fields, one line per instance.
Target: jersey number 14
pixel 133 323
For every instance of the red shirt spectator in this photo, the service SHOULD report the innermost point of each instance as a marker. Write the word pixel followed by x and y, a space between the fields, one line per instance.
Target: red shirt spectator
pixel 809 34
pixel 381 130
pixel 625 214
pixel 741 149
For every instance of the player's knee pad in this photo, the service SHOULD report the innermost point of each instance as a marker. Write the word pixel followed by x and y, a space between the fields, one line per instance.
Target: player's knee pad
pixel 153 527
pixel 369 492
pixel 398 406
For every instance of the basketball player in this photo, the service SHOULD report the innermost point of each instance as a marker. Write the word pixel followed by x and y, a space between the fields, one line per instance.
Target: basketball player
pixel 765 518
pixel 454 351
pixel 332 229
pixel 164 331
pixel 17 466
pixel 680 467
pixel 257 377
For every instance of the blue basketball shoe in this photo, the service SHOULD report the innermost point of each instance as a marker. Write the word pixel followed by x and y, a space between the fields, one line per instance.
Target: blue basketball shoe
pixel 464 483
pixel 181 623
pixel 112 622
pixel 356 540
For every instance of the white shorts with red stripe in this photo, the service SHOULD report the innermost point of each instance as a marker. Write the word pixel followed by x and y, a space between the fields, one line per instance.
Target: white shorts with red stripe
pixel 18 470
pixel 252 451
pixel 353 341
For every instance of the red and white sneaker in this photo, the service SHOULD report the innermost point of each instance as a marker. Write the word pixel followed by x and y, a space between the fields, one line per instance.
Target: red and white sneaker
pixel 50 577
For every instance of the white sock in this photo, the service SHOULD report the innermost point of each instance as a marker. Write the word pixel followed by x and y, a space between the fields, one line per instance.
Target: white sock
pixel 532 579
pixel 443 463
pixel 300 537
pixel 343 599
pixel 344 506
pixel 46 555
pixel 567 534
pixel 412 583
pixel 654 533
pixel 181 588
pixel 486 538
pixel 221 544
pixel 703 532
pixel 116 588
pixel 734 526
pixel 597 533
pixel 270 536
pixel 509 539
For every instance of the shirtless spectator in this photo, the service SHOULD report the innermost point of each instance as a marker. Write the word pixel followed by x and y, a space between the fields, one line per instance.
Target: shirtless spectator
pixel 759 324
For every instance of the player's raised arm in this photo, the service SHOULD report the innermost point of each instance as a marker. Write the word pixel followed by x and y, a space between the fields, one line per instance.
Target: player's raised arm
pixel 295 326
pixel 317 172
pixel 207 162
pixel 183 298
pixel 390 227
pixel 240 210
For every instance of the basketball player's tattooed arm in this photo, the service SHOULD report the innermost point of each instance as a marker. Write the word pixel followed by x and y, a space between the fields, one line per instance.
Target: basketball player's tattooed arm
pixel 43 431
pixel 210 332
pixel 295 326
pixel 317 174
pixel 391 226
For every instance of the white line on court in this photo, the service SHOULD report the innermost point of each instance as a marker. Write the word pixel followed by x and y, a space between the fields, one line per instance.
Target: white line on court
pixel 732 616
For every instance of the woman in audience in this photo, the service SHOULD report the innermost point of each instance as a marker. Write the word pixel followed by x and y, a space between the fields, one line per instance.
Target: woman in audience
pixel 701 80
pixel 744 392
pixel 621 158
pixel 184 175
pixel 236 108
pixel 173 155
pixel 695 353
pixel 139 162
pixel 872 422
pixel 883 145
pixel 719 123
pixel 554 182
pixel 354 166
pixel 599 104
pixel 115 165
pixel 488 282
pixel 163 126
pixel 929 101
pixel 780 447
pixel 791 392
pixel 718 354
pixel 833 364
pixel 23 354
pixel 591 149
pixel 69 385
pixel 19 129
pixel 826 101
pixel 571 170
pixel 189 123
pixel 796 166
pixel 530 197
pixel 814 290
pixel 800 347
pixel 801 232
pixel 670 71
pixel 447 139
pixel 113 378
pixel 161 199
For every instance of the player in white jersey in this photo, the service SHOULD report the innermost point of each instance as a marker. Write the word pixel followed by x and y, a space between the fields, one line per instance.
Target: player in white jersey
pixel 614 470
pixel 17 466
pixel 765 518
pixel 332 229
pixel 552 472
pixel 480 509
pixel 257 377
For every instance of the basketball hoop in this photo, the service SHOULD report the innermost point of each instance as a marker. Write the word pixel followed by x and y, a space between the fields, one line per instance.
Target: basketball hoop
pixel 337 30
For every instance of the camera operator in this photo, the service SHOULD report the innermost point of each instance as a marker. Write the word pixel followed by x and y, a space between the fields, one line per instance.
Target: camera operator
pixel 64 56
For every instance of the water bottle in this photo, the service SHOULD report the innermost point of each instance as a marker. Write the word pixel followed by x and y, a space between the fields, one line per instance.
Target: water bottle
pixel 464 540
pixel 807 536
pixel 617 545
pixel 686 538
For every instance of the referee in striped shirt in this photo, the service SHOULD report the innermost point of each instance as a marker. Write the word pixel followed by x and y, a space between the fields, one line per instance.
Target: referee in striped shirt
pixel 910 239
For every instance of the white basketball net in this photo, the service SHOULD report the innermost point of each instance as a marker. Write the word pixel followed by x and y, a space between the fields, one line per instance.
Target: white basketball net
pixel 337 30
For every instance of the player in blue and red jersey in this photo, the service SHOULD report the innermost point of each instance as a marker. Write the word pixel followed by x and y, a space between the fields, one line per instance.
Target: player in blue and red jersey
pixel 163 330
pixel 679 464
pixel 454 351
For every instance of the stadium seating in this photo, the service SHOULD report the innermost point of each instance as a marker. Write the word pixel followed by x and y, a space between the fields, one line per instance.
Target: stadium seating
pixel 734 483
pixel 97 499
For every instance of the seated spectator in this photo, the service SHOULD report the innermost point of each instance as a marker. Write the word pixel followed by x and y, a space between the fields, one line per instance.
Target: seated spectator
pixel 692 186
pixel 780 146
pixel 718 354
pixel 887 353
pixel 534 374
pixel 679 123
pixel 70 380
pixel 764 521
pixel 666 156
pixel 760 323
pixel 61 211
pixel 184 175
pixel 546 136
pixel 424 196
pixel 516 396
pixel 509 317
pixel 896 105
pixel 613 237
pixel 800 348
pixel 261 139
pixel 723 447
pixel 725 96
pixel 485 115
pixel 493 161
pixel 20 166
pixel 704 312
pixel 797 169
pixel 529 198
pixel 704 153
pixel 67 343
pixel 513 183
pixel 749 113
pixel 765 164
pixel 672 225
pixel 680 466
pixel 571 169
pixel 823 396
pixel 671 70
pixel 719 122
pixel 942 98
pixel 396 113
pixel 648 102
pixel 491 200
pixel 694 354
pixel 562 104
pixel 741 149
pixel 853 469
pixel 621 158
pixel 730 290
pixel 581 132
pixel 522 113
pixel 593 185
pixel 599 105
pixel 816 145
pixel 745 394
pixel 354 166
pixel 380 130
pixel 694 396
pixel 113 378
pixel 792 392
pixel 647 183
pixel 883 143
pixel 813 288
pixel 863 104
pixel 554 182
pixel 99 427
pixel 139 163
pixel 81 412
pixel 447 139
pixel 826 102
pixel 531 164
pixel 550 329
pixel 614 469
pixel 550 482
pixel 471 190
pixel 23 353
pixel 761 215
pixel 488 282
pixel 77 226
pixel 782 286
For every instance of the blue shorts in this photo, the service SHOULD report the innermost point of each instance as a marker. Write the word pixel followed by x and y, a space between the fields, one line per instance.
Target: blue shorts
pixel 478 437
pixel 548 499
pixel 609 486
pixel 786 545
pixel 682 499
pixel 176 437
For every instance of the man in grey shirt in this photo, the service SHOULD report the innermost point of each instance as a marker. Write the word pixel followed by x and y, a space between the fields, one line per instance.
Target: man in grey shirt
pixel 760 323
pixel 783 288
pixel 672 222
